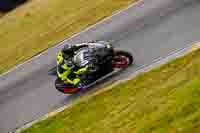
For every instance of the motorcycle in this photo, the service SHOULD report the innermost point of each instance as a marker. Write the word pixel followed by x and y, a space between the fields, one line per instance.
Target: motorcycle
pixel 120 60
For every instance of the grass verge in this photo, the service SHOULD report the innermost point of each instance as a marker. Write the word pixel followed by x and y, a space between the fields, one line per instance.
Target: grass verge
pixel 39 24
pixel 1 14
pixel 164 100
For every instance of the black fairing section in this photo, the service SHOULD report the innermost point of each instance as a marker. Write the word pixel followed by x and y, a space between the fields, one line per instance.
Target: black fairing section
pixel 60 85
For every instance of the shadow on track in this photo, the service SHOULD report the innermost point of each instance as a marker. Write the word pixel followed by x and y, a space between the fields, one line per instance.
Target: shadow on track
pixel 108 80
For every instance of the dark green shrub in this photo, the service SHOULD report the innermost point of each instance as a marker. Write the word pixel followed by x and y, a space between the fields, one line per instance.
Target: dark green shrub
pixel 7 5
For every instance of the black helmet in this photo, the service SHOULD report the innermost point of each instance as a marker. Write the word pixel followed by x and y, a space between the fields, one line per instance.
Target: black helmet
pixel 67 48
pixel 67 51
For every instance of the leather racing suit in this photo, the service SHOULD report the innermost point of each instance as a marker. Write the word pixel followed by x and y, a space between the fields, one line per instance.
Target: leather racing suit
pixel 76 62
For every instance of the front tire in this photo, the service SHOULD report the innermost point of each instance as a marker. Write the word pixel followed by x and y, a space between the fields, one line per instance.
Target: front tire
pixel 65 88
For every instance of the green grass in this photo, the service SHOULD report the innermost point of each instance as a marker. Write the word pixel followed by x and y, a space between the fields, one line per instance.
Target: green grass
pixel 1 14
pixel 164 100
pixel 40 24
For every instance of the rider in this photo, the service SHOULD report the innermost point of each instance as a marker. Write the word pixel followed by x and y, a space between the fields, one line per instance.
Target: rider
pixel 76 61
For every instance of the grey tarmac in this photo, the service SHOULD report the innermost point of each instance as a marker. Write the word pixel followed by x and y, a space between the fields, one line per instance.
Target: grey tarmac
pixel 150 30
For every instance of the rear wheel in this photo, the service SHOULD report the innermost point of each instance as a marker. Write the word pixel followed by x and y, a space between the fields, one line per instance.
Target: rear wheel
pixel 122 59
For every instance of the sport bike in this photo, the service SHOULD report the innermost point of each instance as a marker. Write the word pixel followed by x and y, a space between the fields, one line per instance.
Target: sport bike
pixel 118 61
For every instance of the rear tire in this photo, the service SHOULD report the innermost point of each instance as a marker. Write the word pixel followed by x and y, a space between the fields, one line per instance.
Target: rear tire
pixel 126 54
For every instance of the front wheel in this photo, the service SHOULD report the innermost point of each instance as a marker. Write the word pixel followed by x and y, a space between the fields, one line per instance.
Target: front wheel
pixel 122 59
pixel 65 88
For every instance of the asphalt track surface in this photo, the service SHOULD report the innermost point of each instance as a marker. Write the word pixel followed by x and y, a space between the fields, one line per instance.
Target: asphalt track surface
pixel 150 30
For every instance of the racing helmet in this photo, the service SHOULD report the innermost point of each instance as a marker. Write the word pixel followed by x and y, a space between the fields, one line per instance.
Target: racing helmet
pixel 67 51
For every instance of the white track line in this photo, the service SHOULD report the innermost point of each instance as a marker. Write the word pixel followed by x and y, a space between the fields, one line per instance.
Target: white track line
pixel 59 43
